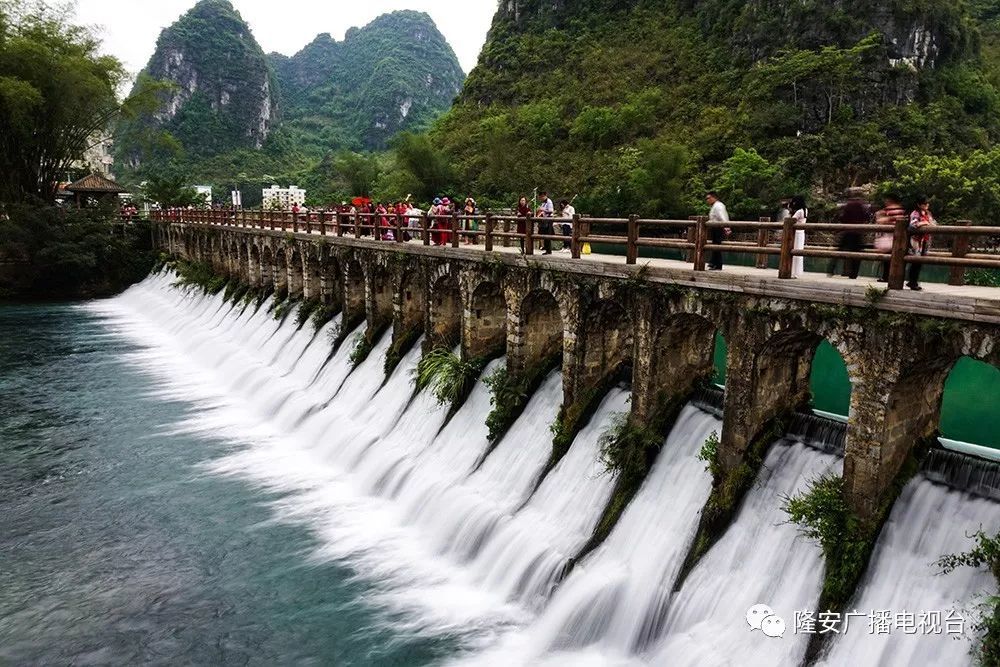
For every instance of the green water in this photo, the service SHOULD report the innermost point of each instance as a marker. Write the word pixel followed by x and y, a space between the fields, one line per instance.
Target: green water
pixel 970 409
pixel 116 548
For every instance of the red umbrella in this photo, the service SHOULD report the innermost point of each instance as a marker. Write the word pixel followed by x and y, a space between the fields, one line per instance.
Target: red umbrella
pixel 361 201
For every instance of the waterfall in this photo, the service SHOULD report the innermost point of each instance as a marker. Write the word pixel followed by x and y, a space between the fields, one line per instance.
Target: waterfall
pixel 464 538
pixel 761 559
pixel 929 520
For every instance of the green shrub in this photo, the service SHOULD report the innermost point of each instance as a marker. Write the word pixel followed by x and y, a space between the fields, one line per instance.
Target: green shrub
pixel 507 398
pixel 446 375
pixel 823 515
pixel 628 450
pixel 986 552
pixel 362 348
pixel 983 277
pixel 323 314
pixel 306 309
pixel 709 453
pixel 199 275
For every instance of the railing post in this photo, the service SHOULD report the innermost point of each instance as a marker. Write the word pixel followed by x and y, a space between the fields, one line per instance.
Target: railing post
pixel 425 228
pixel 574 244
pixel 787 244
pixel 270 219
pixel 529 236
pixel 959 248
pixel 322 223
pixel 399 228
pixel 700 238
pixel 489 232
pixel 357 225
pixel 897 261
pixel 454 230
pixel 631 249
pixel 763 237
pixel 692 237
pixel 506 230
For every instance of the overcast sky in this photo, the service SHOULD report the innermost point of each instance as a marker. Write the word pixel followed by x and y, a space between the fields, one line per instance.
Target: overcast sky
pixel 130 27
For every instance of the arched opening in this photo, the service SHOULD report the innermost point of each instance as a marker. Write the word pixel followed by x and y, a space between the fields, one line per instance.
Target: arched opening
pixel 605 350
pixel 719 356
pixel 783 371
pixel 280 271
pixel 684 355
pixel 253 266
pixel 354 293
pixel 331 282
pixel 970 404
pixel 541 329
pixel 295 270
pixel 380 284
pixel 244 259
pixel 311 287
pixel 445 312
pixel 411 302
pixel 829 384
pixel 266 267
pixel 486 330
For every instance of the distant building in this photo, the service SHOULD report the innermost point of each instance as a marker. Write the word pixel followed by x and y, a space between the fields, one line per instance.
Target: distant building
pixel 98 157
pixel 283 198
pixel 205 192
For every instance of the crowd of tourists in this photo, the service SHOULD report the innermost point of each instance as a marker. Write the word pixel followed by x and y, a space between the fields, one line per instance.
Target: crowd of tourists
pixel 855 211
pixel 379 219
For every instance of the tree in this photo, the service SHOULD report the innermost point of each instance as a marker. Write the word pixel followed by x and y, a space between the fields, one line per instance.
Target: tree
pixel 56 93
pixel 358 172
pixel 169 188
pixel 421 166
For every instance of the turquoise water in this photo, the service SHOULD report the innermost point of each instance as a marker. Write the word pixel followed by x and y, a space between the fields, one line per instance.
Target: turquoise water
pixel 118 548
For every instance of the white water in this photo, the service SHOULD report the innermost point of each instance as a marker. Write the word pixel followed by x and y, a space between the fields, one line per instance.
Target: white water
pixel 928 521
pixel 467 546
pixel 762 558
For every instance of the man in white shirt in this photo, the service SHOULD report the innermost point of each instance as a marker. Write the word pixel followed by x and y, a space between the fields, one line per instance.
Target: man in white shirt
pixel 718 213
pixel 546 209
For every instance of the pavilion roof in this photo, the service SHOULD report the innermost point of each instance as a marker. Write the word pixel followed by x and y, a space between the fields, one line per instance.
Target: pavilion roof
pixel 95 183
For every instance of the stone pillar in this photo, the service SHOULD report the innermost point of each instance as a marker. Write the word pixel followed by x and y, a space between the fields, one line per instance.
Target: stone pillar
pixel 379 297
pixel 484 321
pixel 766 376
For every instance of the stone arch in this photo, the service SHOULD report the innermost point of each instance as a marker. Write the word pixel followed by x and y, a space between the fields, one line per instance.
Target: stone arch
pixel 354 292
pixel 605 344
pixel 445 311
pixel 484 327
pixel 380 293
pixel 331 280
pixel 411 306
pixel 541 329
pixel 311 280
pixel 680 357
pixel 295 272
pixel 266 267
pixel 280 270
pixel 253 265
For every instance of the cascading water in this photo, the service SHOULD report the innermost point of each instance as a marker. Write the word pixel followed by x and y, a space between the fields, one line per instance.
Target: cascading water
pixel 928 521
pixel 466 540
pixel 761 559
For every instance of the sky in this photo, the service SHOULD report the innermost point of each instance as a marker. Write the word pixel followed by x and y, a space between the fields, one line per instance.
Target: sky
pixel 129 28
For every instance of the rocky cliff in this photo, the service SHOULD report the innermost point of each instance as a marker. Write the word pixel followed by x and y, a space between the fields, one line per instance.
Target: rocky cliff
pixel 221 94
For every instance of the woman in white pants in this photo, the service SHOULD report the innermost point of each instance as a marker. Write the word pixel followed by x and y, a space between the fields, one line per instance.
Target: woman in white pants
pixel 801 215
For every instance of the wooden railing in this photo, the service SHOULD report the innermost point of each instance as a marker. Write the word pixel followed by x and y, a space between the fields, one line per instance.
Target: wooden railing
pixel 761 239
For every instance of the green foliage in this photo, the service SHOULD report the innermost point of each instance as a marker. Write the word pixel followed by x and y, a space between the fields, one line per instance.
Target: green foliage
pixel 199 275
pixel 446 375
pixel 362 348
pixel 628 450
pixel 752 183
pixel 823 515
pixel 54 252
pixel 282 308
pixel 420 168
pixel 985 553
pixel 709 453
pixel 507 397
pixel 322 315
pixel 983 277
pixel 963 186
pixel 57 91
pixel 305 312
pixel 169 189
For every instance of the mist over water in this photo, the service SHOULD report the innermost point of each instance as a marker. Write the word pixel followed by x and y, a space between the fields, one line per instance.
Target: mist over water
pixel 190 481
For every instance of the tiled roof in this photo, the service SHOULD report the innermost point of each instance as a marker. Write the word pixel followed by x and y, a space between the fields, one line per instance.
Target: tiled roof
pixel 94 183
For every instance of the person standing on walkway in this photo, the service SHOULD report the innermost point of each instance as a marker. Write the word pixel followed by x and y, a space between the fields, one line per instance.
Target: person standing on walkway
pixel 523 213
pixel 920 240
pixel 855 212
pixel 892 212
pixel 545 210
pixel 801 215
pixel 717 213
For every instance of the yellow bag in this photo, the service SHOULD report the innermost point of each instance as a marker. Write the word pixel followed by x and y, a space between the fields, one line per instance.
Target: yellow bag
pixel 586 249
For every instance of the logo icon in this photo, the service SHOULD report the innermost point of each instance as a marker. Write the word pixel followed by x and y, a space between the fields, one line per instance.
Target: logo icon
pixel 762 617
